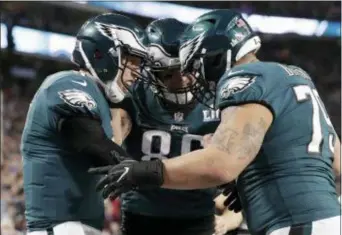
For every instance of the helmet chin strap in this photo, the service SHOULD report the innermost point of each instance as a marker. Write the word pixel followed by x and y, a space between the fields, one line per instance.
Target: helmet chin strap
pixel 114 92
pixel 178 98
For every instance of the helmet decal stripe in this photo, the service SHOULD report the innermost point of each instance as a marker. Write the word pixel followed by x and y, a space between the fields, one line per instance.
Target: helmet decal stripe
pixel 86 60
pixel 121 35
pixel 151 45
pixel 160 57
pixel 189 48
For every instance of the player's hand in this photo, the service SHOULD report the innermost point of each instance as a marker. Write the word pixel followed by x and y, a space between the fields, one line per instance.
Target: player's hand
pixel 229 221
pixel 221 227
pixel 129 175
pixel 232 201
pixel 115 180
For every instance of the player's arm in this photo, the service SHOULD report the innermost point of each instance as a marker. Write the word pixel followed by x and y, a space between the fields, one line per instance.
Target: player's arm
pixel 74 102
pixel 85 136
pixel 234 145
pixel 247 111
pixel 121 124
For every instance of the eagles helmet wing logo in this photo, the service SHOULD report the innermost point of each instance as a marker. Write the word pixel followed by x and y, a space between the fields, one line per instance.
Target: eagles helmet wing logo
pixel 235 85
pixel 118 34
pixel 107 30
pixel 77 98
pixel 189 48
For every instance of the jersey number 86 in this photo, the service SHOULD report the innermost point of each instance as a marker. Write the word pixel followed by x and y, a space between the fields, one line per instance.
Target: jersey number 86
pixel 163 140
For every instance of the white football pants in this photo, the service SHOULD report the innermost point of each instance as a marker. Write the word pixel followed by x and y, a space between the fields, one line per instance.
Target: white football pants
pixel 70 228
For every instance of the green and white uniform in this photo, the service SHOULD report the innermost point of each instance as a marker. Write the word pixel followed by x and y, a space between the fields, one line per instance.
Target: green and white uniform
pixel 291 180
pixel 56 183
pixel 159 133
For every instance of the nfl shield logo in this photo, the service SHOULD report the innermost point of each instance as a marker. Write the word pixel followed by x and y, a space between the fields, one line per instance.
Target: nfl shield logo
pixel 239 36
pixel 240 23
pixel 178 116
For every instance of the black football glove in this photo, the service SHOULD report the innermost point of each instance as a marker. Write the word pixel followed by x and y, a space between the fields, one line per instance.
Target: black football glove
pixel 129 175
pixel 232 201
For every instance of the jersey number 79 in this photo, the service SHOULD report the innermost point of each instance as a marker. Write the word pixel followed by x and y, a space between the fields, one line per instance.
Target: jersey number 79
pixel 306 93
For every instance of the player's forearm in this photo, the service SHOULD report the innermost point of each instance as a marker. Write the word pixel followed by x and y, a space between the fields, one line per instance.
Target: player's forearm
pixel 86 137
pixel 121 125
pixel 198 169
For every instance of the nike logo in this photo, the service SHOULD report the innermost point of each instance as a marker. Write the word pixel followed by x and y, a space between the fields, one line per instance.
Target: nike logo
pixel 232 73
pixel 84 83
pixel 123 174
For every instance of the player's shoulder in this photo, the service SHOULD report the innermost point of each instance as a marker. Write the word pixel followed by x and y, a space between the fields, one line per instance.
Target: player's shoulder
pixel 68 90
pixel 70 84
pixel 269 69
pixel 259 68
pixel 269 74
pixel 71 79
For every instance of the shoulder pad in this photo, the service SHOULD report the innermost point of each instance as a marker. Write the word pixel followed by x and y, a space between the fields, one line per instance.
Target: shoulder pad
pixel 72 93
pixel 69 78
pixel 243 70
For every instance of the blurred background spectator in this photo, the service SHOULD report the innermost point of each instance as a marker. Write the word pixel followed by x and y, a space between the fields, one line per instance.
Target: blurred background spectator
pixel 21 74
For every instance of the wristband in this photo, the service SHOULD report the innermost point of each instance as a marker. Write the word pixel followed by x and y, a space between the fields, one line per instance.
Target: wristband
pixel 148 173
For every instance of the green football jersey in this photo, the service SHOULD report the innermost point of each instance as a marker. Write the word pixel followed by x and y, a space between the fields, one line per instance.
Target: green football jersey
pixel 291 180
pixel 57 186
pixel 158 133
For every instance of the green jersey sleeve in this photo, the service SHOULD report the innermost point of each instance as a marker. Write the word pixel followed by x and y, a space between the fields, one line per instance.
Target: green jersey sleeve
pixel 74 95
pixel 243 86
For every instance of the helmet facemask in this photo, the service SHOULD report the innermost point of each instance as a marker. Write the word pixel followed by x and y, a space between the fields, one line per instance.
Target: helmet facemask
pixel 130 64
pixel 179 95
pixel 165 78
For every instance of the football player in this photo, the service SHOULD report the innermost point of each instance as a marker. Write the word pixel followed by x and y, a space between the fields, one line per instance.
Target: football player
pixel 275 136
pixel 68 127
pixel 165 121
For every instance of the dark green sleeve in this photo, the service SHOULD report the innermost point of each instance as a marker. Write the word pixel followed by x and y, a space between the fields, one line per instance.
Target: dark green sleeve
pixel 74 96
pixel 249 88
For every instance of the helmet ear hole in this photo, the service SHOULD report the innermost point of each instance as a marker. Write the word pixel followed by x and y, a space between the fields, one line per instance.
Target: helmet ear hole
pixel 97 54
pixel 152 30
pixel 211 21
